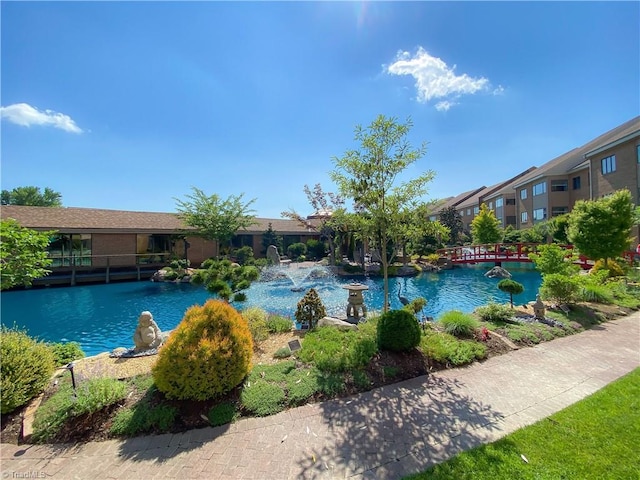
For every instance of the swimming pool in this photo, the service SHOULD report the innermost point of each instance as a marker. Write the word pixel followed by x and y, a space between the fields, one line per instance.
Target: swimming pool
pixel 103 317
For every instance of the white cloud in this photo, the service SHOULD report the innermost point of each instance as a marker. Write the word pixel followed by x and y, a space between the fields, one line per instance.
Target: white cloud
pixel 435 79
pixel 25 115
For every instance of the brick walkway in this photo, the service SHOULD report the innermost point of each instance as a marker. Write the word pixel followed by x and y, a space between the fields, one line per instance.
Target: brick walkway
pixel 383 434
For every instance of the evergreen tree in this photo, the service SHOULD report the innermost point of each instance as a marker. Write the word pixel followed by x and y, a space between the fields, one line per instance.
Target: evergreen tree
pixel 485 228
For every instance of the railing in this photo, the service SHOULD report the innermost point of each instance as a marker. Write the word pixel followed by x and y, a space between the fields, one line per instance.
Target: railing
pixel 109 260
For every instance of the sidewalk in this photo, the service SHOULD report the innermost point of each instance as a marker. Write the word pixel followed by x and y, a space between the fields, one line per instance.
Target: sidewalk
pixel 383 434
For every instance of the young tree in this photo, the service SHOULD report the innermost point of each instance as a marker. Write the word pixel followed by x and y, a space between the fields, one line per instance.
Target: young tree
pixel 23 254
pixel 369 176
pixel 511 287
pixel 601 229
pixel 485 228
pixel 451 218
pixel 32 196
pixel 216 219
pixel 270 237
pixel 554 259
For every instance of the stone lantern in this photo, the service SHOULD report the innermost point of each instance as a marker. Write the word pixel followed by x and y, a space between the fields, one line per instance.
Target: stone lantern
pixel 538 308
pixel 356 302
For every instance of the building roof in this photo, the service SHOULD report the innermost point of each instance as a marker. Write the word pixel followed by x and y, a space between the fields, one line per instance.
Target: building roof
pixel 455 201
pixel 506 188
pixel 574 160
pixel 86 220
pixel 474 200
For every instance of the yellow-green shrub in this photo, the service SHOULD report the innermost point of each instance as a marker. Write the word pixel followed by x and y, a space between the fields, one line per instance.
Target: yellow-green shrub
pixel 27 366
pixel 615 270
pixel 207 355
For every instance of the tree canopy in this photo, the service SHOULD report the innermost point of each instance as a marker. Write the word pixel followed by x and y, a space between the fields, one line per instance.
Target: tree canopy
pixel 370 176
pixel 23 254
pixel 450 218
pixel 32 196
pixel 486 228
pixel 601 229
pixel 215 218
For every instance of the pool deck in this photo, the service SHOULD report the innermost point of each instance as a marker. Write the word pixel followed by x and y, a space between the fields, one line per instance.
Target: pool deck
pixel 386 433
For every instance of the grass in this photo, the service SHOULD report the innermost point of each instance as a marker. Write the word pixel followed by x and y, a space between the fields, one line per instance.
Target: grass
pixel 445 348
pixel 596 438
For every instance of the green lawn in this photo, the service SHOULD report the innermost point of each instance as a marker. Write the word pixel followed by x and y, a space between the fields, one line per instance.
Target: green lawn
pixel 597 438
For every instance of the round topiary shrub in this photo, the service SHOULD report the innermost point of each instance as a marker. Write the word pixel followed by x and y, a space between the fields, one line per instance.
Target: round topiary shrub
pixel 27 366
pixel 398 331
pixel 207 355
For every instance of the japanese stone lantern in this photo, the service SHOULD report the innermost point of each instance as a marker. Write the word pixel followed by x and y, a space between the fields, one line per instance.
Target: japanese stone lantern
pixel 538 308
pixel 356 306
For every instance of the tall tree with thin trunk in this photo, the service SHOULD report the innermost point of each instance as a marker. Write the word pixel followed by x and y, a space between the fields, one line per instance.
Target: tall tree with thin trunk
pixel 372 176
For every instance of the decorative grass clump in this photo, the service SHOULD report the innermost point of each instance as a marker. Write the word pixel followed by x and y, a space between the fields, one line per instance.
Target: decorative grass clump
pixel 596 294
pixel 494 312
pixel 445 348
pixel 458 323
pixel 398 331
pixel 263 398
pixel 207 355
pixel 63 406
pixel 333 350
pixel 26 365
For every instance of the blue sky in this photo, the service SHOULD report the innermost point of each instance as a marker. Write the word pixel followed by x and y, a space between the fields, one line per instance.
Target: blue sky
pixel 128 105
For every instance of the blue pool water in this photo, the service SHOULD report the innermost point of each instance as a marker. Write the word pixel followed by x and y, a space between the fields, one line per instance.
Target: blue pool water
pixel 103 317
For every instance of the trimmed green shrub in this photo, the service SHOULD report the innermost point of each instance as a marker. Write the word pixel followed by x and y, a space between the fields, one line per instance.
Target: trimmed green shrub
pixel 26 367
pixel 310 309
pixel 279 324
pixel 222 414
pixel 256 317
pixel 65 353
pixel 262 398
pixel 511 287
pixel 458 323
pixel 559 288
pixel 316 249
pixel 398 331
pixel 296 250
pixel 207 354
pixel 494 312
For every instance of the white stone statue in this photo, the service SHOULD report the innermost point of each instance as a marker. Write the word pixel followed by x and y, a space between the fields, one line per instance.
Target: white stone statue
pixel 147 335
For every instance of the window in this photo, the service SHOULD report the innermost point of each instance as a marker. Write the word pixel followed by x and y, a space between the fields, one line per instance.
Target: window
pixel 540 214
pixel 576 183
pixel 511 219
pixel 498 202
pixel 468 212
pixel 462 213
pixel 524 217
pixel 555 211
pixel 490 205
pixel 539 188
pixel 523 194
pixel 66 250
pixel 559 185
pixel 609 164
pixel 511 201
pixel 476 210
pixel 638 152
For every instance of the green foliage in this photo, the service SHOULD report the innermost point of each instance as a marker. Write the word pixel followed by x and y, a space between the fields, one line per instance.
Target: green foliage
pixel 596 293
pixel 316 249
pixel 511 235
pixel 25 368
pixel 494 312
pixel 262 398
pixel 279 324
pixel 535 234
pixel 350 268
pixel 416 305
pixel 450 217
pixel 310 309
pixel 222 414
pixel 332 350
pixel 370 176
pixel 225 278
pixel 296 250
pixel 64 353
pixel 612 267
pixel 559 228
pixel 244 255
pixel 601 229
pixel 445 348
pixel 207 354
pixel 551 258
pixel 144 418
pixel 301 384
pixel 485 227
pixel 458 323
pixel 63 406
pixel 331 383
pixel 511 287
pixel 559 288
pixel 398 331
pixel 256 318
pixel 214 218
pixel 32 196
pixel 23 254
pixel 283 352
pixel 270 237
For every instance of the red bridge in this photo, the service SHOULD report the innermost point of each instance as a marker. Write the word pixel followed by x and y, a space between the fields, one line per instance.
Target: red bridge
pixel 505 252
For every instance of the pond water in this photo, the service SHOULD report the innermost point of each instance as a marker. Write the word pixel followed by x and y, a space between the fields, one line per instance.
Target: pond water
pixel 103 317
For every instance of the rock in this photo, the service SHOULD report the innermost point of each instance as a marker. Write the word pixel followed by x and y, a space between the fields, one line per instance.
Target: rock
pixel 497 272
pixel 336 322
pixel 147 335
pixel 272 255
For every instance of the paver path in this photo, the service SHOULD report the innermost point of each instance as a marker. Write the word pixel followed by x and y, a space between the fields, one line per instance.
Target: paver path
pixel 382 434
